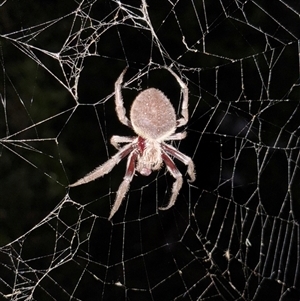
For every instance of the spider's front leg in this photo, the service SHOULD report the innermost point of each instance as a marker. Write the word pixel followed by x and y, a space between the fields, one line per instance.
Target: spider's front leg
pixel 183 158
pixel 123 188
pixel 178 180
pixel 105 167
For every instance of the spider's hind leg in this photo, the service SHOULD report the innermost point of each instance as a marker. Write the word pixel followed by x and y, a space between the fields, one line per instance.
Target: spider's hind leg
pixel 184 106
pixel 120 109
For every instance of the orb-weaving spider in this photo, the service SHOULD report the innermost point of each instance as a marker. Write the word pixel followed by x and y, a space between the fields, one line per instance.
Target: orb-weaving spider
pixel 153 119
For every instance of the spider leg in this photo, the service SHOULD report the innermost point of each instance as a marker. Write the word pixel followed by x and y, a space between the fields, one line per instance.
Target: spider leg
pixel 121 112
pixel 183 158
pixel 116 140
pixel 106 167
pixel 178 180
pixel 123 188
pixel 184 107
pixel 176 136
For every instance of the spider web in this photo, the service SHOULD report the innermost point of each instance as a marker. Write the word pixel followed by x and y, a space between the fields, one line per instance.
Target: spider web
pixel 233 234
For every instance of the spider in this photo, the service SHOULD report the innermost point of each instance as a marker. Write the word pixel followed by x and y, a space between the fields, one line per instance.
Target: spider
pixel 153 119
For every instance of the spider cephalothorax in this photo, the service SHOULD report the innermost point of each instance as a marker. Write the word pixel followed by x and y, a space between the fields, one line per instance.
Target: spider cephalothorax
pixel 153 119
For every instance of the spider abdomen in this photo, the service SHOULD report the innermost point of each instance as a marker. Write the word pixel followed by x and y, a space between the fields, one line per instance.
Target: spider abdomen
pixel 152 115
